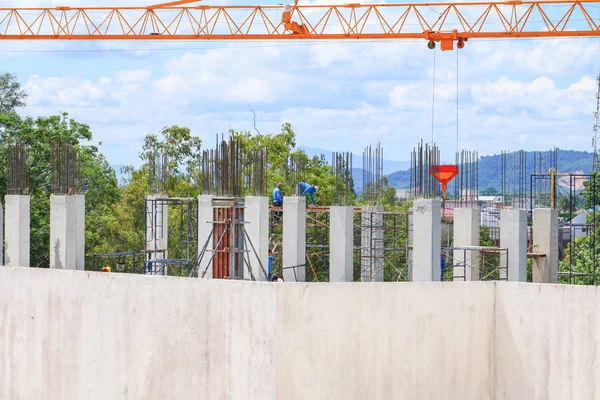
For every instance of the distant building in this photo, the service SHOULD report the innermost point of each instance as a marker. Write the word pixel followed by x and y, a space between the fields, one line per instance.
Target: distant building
pixel 576 228
pixel 403 194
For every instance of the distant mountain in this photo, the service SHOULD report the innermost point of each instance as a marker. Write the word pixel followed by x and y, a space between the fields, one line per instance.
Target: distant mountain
pixel 389 166
pixel 490 168
pixel 357 176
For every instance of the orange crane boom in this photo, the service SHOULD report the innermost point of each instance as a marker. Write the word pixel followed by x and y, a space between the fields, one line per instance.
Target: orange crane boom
pixel 443 22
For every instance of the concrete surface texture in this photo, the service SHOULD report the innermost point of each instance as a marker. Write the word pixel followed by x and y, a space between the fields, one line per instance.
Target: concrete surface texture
pixel 257 228
pixel 513 236
pixel 205 227
pixel 16 230
pixel 372 245
pixel 67 232
pixel 341 229
pixel 466 233
pixel 1 235
pixel 294 239
pixel 84 335
pixel 427 238
pixel 545 241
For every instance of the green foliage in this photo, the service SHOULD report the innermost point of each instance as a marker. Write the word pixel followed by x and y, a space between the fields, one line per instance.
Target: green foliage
pixel 484 237
pixel 490 191
pixel 581 256
pixel 591 192
pixel 11 95
pixel 388 195
pixel 39 134
pixel 182 149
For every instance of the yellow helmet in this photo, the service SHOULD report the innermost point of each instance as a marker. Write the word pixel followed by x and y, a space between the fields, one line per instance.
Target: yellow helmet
pixel 106 269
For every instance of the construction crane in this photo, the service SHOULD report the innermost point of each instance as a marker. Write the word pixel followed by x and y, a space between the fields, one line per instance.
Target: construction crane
pixel 443 22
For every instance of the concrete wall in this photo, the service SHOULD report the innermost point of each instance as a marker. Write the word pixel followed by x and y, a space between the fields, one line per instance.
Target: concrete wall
pixel 384 341
pixel 73 334
pixel 547 341
pixel 80 335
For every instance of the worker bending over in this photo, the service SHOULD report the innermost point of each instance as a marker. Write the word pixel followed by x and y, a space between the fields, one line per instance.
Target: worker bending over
pixel 308 190
pixel 277 201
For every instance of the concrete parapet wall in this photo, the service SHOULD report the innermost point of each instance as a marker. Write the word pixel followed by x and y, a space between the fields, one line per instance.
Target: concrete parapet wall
pixel 74 335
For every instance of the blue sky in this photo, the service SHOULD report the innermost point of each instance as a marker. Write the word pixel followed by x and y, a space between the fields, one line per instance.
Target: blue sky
pixel 341 96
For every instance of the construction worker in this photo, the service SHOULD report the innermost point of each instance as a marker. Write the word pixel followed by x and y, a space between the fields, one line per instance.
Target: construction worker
pixel 277 201
pixel 308 190
pixel 271 260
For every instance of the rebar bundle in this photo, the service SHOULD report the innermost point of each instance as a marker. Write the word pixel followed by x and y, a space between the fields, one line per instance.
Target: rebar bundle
pixel 342 170
pixel 518 171
pixel 159 173
pixel 296 171
pixel 17 169
pixel 233 170
pixel 372 174
pixel 466 184
pixel 422 183
pixel 254 174
pixel 65 169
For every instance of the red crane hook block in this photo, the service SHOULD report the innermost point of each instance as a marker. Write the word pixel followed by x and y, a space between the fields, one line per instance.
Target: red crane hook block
pixel 444 174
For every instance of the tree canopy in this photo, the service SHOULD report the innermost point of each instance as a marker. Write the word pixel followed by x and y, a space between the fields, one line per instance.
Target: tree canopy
pixel 11 94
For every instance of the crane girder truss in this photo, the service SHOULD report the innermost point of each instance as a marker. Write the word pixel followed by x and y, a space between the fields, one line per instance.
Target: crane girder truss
pixel 190 20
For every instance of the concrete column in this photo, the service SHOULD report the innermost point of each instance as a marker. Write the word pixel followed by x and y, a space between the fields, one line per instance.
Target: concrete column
pixel 157 231
pixel 257 216
pixel 427 238
pixel 545 240
pixel 466 234
pixel 67 232
pixel 341 262
pixel 205 226
pixel 294 238
pixel 1 235
pixel 513 236
pixel 371 238
pixel 16 231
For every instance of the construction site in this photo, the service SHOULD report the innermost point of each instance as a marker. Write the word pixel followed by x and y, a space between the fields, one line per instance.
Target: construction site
pixel 269 294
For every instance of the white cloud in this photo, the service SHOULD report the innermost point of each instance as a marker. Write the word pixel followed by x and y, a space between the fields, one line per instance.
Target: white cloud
pixel 227 76
pixel 133 76
pixel 540 96
pixel 62 92
pixel 408 96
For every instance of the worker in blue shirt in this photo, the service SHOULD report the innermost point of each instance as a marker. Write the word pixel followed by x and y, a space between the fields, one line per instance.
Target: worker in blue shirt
pixel 277 201
pixel 308 190
pixel 271 260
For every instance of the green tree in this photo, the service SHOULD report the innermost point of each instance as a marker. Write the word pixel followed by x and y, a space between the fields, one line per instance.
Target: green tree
pixel 181 148
pixel 126 226
pixel 489 191
pixel 11 94
pixel 38 134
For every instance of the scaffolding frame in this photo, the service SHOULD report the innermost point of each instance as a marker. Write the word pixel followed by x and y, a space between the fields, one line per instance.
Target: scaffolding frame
pixel 187 228
pixel 394 247
pixel 578 239
pixel 457 260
